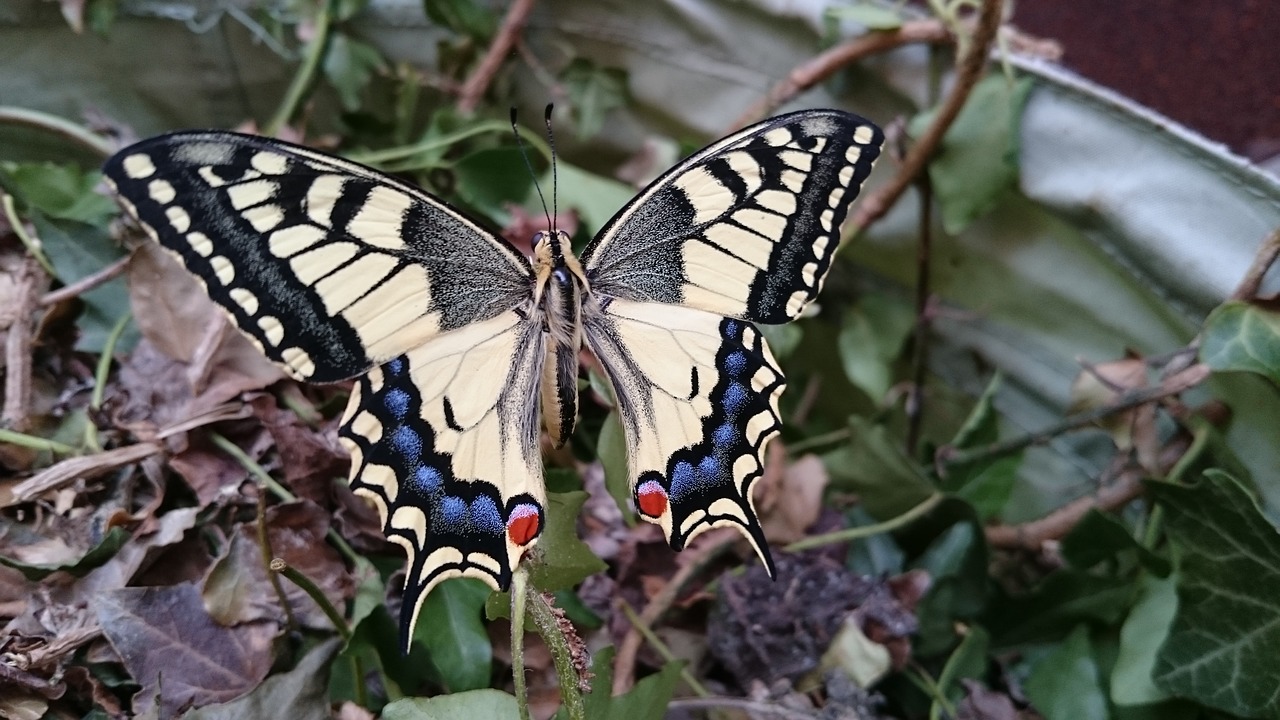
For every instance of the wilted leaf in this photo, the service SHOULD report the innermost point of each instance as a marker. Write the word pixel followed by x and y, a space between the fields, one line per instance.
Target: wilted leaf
pixel 1228 558
pixel 978 160
pixel 791 506
pixel 1241 337
pixel 177 653
pixel 1065 684
pixel 47 555
pixel 862 659
pixel 302 690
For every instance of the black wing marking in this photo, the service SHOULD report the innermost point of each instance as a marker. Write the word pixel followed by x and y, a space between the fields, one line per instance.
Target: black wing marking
pixel 746 227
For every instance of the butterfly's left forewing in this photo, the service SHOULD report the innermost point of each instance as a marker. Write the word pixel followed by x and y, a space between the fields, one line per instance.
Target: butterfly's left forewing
pixel 444 442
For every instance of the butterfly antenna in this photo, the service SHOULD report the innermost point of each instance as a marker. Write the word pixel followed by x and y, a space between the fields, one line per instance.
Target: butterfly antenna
pixel 555 176
pixel 525 154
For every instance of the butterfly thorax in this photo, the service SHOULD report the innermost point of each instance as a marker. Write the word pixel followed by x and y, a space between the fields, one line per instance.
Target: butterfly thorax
pixel 559 292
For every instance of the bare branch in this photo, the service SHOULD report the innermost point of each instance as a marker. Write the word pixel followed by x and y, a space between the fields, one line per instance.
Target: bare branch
pixel 473 89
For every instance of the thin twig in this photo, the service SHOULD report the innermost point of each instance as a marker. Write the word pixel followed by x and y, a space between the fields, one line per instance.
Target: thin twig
pixel 863 531
pixel 56 125
pixel 624 663
pixel 661 648
pixel 750 706
pixel 85 284
pixel 968 73
pixel 275 566
pixel 1173 385
pixel 819 68
pixel 306 75
pixel 474 88
pixel 1262 261
pixel 920 344
pixel 1031 535
pixel 16 321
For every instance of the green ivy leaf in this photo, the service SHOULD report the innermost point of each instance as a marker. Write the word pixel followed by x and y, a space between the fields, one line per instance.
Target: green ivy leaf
pixel 871 339
pixel 565 559
pixel 782 339
pixel 612 447
pixel 978 159
pixel 646 701
pixel 1099 537
pixel 1242 337
pixel 593 92
pixel 1144 631
pixel 465 17
pixel 1228 558
pixel 451 628
pixel 873 465
pixel 1065 599
pixel 489 179
pixel 349 65
pixel 488 704
pixel 78 250
pixel 64 192
pixel 985 484
pixel 1065 684
pixel 596 198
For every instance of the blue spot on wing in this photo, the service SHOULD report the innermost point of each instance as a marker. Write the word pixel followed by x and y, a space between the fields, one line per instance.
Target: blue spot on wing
pixel 397 402
pixel 485 515
pixel 709 468
pixel 427 480
pixel 724 436
pixel 736 363
pixel 408 443
pixel 735 398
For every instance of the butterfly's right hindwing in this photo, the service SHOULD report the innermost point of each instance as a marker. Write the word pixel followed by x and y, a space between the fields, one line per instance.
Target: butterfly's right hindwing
pixel 330 267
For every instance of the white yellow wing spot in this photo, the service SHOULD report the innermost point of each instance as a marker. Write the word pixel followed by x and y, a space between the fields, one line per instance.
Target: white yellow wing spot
pixel 272 328
pixel 322 260
pixel 299 360
pixel 254 192
pixel 270 163
pixel 801 161
pixel 161 191
pixel 705 194
pixel 778 137
pixel 846 174
pixel 139 166
pixel 826 218
pixel 178 218
pixel 852 154
pixel 379 219
pixel 747 168
pixel 200 243
pixel 783 203
pixel 223 269
pixel 321 197
pixel 745 244
pixel 246 300
pixel 863 135
pixel 287 242
pixel 264 218
pixel 794 180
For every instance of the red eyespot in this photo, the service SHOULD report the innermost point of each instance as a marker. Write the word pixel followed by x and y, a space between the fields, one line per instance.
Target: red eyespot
pixel 523 525
pixel 651 499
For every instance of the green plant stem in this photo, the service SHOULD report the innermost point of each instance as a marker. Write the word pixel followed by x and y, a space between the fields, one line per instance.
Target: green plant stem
pixel 277 489
pixel 275 566
pixel 30 243
pixel 304 582
pixel 544 618
pixel 863 531
pixel 519 597
pixel 35 443
pixel 101 372
pixel 10 115
pixel 380 158
pixel 809 443
pixel 305 77
pixel 656 643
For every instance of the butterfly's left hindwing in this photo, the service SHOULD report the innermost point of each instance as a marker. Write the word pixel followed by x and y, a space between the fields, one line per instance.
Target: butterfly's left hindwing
pixel 745 228
pixel 698 398
pixel 444 441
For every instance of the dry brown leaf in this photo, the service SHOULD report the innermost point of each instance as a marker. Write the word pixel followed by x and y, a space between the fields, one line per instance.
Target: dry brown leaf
pixel 177 653
pixel 796 502
pixel 82 468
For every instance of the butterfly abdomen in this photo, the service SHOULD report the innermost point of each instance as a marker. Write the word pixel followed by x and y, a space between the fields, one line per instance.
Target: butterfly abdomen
pixel 561 290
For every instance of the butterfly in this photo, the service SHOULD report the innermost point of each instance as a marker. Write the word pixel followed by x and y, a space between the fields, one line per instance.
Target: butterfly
pixel 458 342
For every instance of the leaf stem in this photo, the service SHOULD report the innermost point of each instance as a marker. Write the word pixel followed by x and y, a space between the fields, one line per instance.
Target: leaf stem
pixel 519 598
pixel 46 122
pixel 35 443
pixel 544 618
pixel 31 244
pixel 862 531
pixel 305 77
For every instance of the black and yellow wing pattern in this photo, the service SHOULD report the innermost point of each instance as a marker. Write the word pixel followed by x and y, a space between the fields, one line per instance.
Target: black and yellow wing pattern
pixel 337 271
pixel 743 231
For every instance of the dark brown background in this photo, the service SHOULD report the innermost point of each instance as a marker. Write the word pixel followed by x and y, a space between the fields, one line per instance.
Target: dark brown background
pixel 1213 65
